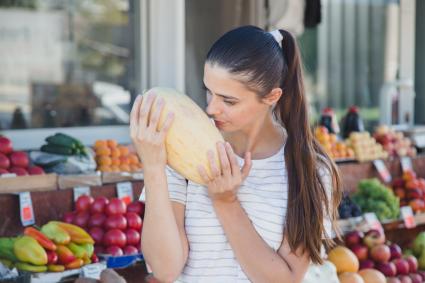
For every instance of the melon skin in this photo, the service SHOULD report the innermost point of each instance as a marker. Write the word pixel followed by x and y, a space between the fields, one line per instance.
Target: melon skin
pixel 191 135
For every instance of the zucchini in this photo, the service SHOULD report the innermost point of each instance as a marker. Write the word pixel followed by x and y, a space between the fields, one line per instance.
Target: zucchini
pixel 57 149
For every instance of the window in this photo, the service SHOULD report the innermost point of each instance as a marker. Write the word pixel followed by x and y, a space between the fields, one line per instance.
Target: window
pixel 67 63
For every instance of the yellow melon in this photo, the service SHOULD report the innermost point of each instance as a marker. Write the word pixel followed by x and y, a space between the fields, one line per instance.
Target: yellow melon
pixel 191 135
pixel 343 259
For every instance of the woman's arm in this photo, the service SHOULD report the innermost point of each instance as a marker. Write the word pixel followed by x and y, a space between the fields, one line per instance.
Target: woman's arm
pixel 164 240
pixel 260 262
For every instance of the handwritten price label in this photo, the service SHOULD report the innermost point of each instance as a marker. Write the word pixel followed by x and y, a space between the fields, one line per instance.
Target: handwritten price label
pixel 125 192
pixel 26 209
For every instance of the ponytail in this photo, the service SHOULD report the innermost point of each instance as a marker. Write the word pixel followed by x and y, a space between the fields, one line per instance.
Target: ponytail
pixel 308 200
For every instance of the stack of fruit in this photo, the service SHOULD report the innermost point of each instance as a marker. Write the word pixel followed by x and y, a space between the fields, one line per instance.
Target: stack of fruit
pixel 114 226
pixel 418 249
pixel 411 190
pixel 336 149
pixel 347 267
pixel 16 162
pixel 395 143
pixel 365 147
pixel 111 157
pixel 56 247
pixel 347 208
pixel 372 252
pixel 63 144
pixel 373 196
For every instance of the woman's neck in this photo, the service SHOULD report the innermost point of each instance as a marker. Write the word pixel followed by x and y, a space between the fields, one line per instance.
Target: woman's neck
pixel 263 139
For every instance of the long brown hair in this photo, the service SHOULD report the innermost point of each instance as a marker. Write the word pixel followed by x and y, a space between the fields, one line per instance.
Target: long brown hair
pixel 255 54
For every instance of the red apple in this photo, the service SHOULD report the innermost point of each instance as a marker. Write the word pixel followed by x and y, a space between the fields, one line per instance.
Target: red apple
pixel 373 238
pixel 136 207
pixel 133 237
pixel 35 170
pixel 83 203
pixel 19 171
pixel 114 251
pixel 116 222
pixel 405 279
pixel 115 237
pixel 5 145
pixel 4 161
pixel 3 171
pixel 413 263
pixel 115 206
pixel 97 234
pixel 19 159
pixel 422 273
pixel 393 280
pixel 401 265
pixel 380 253
pixel 134 221
pixel 396 251
pixel 97 220
pixel 130 250
pixel 416 278
pixel 388 268
pixel 353 238
pixel 99 205
pixel 81 219
pixel 361 251
pixel 366 264
pixel 68 217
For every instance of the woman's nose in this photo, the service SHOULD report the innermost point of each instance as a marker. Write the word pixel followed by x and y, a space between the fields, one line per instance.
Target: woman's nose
pixel 213 107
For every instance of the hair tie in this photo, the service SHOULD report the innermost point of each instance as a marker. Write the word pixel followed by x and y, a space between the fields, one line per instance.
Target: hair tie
pixel 277 36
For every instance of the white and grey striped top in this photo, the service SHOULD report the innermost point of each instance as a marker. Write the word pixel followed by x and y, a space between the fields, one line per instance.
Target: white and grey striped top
pixel 263 196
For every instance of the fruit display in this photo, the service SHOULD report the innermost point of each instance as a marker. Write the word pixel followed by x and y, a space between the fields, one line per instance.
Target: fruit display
pixel 63 144
pixel 56 247
pixel 336 149
pixel 411 190
pixel 375 253
pixel 418 249
pixel 393 142
pixel 347 208
pixel 16 162
pixel 112 157
pixel 186 148
pixel 114 226
pixel 373 196
pixel 365 147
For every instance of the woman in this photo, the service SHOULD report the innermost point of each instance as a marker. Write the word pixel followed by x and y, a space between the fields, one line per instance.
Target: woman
pixel 262 218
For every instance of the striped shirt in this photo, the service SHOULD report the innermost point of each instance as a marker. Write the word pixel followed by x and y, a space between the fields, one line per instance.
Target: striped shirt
pixel 263 195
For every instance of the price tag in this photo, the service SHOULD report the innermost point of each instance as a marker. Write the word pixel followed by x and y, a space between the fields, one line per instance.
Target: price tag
pixel 408 217
pixel 26 209
pixel 93 270
pixel 382 170
pixel 373 221
pixel 406 163
pixel 125 192
pixel 79 191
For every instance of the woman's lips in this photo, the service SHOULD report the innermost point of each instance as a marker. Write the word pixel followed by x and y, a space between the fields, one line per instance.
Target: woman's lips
pixel 218 124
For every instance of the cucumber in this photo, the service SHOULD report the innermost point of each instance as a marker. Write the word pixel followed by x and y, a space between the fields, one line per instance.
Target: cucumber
pixel 57 149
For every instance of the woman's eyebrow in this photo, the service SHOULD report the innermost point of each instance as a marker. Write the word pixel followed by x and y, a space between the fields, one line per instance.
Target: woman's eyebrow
pixel 221 95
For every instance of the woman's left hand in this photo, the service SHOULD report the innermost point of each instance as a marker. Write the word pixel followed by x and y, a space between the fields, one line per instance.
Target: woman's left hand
pixel 224 184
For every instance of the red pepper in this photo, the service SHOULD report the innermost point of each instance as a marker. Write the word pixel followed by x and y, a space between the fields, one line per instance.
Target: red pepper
pixel 40 238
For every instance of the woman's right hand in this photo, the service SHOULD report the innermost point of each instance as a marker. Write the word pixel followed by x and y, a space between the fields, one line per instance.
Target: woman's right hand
pixel 147 138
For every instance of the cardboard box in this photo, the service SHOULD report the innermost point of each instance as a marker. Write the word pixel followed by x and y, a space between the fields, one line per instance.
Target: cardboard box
pixel 32 183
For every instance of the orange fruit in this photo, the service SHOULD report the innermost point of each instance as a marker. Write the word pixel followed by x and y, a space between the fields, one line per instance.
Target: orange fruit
pixel 100 143
pixel 104 161
pixel 133 159
pixel 115 168
pixel 104 168
pixel 135 167
pixel 124 150
pixel 124 160
pixel 115 152
pixel 103 151
pixel 112 143
pixel 116 161
pixel 125 168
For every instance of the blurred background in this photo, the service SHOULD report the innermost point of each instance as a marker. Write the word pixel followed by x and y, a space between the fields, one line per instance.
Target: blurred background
pixel 78 64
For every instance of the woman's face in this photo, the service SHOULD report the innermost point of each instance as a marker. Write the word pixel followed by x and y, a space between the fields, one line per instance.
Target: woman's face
pixel 232 106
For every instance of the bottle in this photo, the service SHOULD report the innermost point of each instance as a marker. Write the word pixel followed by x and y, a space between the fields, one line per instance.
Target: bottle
pixel 352 122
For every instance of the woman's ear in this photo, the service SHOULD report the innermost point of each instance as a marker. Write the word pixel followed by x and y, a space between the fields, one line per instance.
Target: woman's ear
pixel 272 97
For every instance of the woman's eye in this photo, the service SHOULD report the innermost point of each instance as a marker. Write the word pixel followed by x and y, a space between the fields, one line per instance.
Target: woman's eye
pixel 229 102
